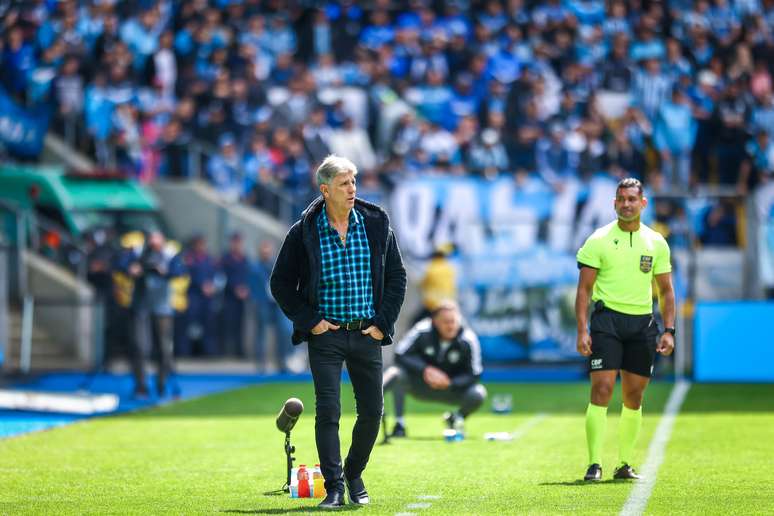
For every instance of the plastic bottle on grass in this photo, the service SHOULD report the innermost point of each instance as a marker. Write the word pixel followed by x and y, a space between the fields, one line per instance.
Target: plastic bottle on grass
pixel 303 482
pixel 318 482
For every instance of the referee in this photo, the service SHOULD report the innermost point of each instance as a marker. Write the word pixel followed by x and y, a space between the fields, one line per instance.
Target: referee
pixel 617 265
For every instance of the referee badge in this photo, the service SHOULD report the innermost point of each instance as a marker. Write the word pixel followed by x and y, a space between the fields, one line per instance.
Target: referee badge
pixel 646 263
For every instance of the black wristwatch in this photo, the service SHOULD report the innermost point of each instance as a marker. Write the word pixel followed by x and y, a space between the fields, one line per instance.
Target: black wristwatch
pixel 670 330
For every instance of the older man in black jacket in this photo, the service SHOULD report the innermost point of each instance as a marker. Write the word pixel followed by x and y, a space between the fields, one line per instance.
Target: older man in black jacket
pixel 439 360
pixel 340 278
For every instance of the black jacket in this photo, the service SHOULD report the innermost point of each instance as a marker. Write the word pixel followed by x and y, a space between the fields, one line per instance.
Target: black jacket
pixel 421 347
pixel 296 275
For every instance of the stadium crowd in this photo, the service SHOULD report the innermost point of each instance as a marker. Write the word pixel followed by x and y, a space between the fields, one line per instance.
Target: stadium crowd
pixel 677 94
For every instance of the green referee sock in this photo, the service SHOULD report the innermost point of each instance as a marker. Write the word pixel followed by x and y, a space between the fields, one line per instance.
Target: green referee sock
pixel 596 424
pixel 629 427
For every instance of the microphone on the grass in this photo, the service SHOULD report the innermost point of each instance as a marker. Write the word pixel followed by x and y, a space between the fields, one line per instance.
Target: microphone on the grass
pixel 288 416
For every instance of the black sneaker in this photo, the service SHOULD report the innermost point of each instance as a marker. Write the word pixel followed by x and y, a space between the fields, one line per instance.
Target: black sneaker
pixel 626 472
pixel 593 474
pixel 398 430
pixel 357 491
pixel 453 421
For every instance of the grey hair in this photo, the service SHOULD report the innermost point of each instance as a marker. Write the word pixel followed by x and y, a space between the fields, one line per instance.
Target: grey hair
pixel 332 166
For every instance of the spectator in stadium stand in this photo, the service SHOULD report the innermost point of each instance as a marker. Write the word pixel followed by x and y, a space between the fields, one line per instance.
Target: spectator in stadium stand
pixel 68 95
pixel 162 67
pixel 438 360
pixel 674 134
pixel 758 166
pixel 651 87
pixel 235 267
pixel 488 157
pixel 554 160
pixel 258 169
pixel 340 278
pixel 99 112
pixel 719 228
pixel 200 326
pixel 353 141
pixel 298 180
pixel 731 115
pixel 623 159
pixel 224 167
pixel 269 317
pixel 617 69
pixel 173 150
pixel 18 60
pixel 316 135
pixel 152 269
pixel 128 139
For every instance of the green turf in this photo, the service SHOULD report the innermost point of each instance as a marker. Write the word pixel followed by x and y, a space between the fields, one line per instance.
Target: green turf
pixel 221 454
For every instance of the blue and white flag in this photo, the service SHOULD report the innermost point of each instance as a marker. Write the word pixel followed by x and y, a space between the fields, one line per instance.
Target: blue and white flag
pixel 22 130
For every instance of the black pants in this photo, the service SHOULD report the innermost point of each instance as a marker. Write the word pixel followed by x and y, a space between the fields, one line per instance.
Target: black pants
pixel 363 356
pixel 400 382
pixel 151 334
pixel 232 317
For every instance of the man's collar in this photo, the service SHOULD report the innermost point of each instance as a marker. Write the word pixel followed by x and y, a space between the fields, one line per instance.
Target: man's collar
pixel 355 217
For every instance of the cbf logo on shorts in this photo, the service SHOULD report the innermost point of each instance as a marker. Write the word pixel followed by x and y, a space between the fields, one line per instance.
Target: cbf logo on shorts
pixel 646 263
pixel 596 363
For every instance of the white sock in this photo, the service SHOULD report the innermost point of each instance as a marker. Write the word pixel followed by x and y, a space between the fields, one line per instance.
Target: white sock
pixel 400 421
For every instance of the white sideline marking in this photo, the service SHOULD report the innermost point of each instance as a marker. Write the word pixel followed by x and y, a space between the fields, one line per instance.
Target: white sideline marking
pixel 640 494
pixel 527 425
pixel 418 505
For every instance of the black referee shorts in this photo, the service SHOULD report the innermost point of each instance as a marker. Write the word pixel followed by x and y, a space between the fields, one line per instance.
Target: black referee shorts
pixel 622 341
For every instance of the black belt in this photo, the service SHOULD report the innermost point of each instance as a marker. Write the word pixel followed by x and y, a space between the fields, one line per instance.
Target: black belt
pixel 360 324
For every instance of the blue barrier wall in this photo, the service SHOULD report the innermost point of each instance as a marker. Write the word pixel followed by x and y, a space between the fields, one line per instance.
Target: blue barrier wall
pixel 734 342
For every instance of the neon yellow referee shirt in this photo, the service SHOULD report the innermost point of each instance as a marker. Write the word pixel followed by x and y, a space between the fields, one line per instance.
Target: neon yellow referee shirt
pixel 625 262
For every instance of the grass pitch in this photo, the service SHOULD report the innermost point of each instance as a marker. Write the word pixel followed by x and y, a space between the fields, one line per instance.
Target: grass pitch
pixel 222 454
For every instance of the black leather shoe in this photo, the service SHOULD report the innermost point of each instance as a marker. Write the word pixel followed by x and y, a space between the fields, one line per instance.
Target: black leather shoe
pixel 333 500
pixel 594 473
pixel 626 472
pixel 357 491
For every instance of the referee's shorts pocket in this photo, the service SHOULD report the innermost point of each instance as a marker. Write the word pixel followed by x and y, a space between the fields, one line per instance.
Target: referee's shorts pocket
pixel 597 321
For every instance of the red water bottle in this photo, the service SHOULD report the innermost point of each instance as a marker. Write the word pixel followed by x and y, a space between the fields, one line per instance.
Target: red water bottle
pixel 303 482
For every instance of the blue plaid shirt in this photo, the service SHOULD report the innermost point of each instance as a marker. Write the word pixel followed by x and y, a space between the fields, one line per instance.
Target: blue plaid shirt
pixel 346 292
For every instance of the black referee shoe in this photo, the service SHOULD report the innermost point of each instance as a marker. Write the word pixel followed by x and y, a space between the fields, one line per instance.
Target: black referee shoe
pixel 593 474
pixel 626 472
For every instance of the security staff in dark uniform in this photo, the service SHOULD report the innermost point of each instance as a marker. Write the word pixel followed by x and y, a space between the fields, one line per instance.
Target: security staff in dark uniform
pixel 438 360
pixel 236 291
pixel 200 324
pixel 340 278
pixel 618 264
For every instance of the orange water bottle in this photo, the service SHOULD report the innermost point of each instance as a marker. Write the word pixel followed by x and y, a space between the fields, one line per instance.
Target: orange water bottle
pixel 303 482
pixel 318 482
